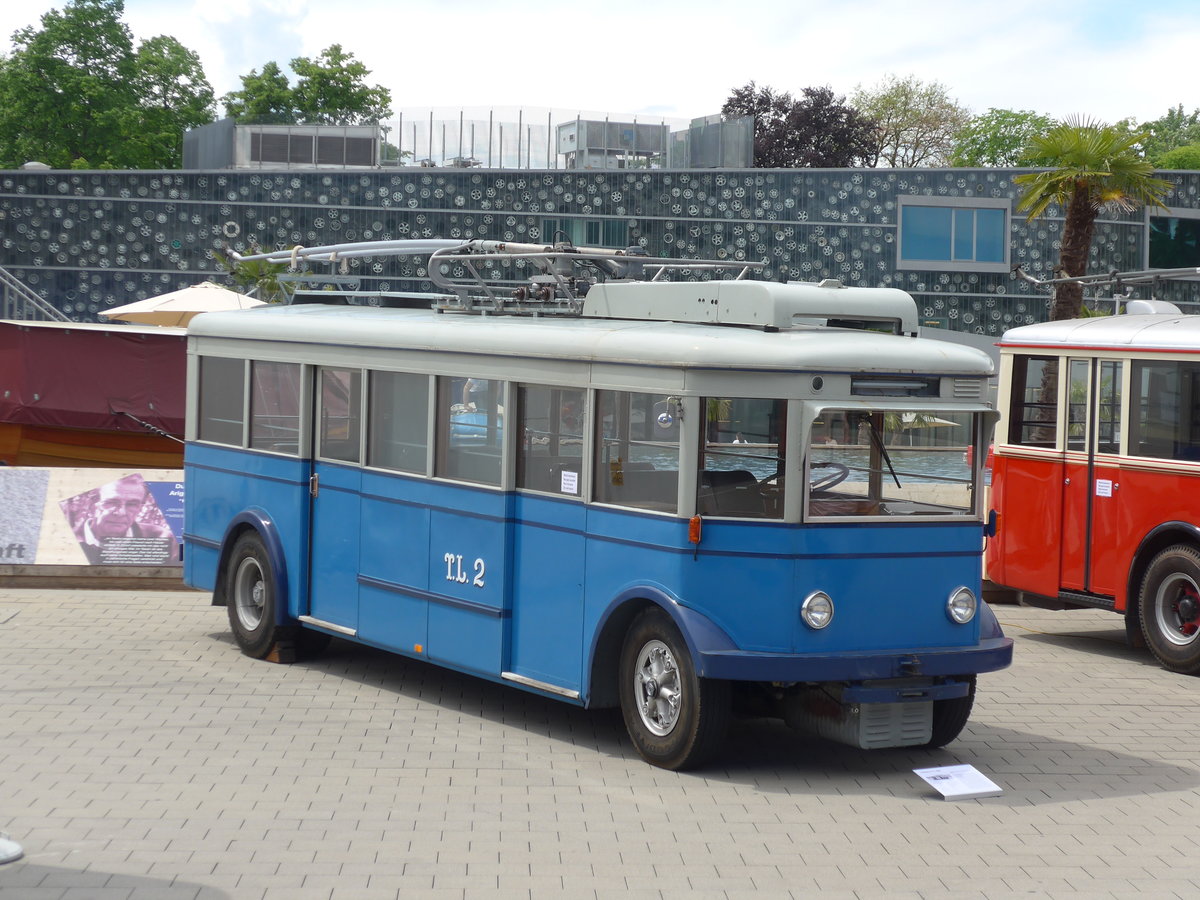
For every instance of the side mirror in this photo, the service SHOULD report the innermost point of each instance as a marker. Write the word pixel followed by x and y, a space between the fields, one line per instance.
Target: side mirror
pixel 992 526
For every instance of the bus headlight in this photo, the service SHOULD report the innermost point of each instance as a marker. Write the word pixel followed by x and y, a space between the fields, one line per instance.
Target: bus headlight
pixel 961 606
pixel 817 610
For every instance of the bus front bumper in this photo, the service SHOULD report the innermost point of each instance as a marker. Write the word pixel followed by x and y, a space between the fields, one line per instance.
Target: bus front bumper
pixel 739 665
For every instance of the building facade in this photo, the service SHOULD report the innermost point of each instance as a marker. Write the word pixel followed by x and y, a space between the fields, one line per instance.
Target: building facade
pixel 89 241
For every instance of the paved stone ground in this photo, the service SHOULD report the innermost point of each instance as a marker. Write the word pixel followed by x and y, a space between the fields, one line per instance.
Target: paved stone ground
pixel 144 757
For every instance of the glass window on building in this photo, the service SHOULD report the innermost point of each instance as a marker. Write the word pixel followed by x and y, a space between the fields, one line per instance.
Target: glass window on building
pixel 1174 240
pixel 943 233
pixel 611 233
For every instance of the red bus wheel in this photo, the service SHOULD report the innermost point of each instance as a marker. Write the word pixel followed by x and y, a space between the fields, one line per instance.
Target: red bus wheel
pixel 1169 604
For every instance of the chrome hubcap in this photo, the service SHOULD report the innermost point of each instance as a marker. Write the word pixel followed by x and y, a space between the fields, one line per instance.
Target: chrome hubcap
pixel 1177 610
pixel 657 688
pixel 249 594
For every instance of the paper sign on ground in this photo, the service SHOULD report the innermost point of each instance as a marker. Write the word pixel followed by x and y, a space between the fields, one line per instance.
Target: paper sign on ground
pixel 959 782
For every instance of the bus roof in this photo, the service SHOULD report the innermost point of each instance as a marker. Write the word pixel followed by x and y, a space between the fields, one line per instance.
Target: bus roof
pixel 653 343
pixel 1123 332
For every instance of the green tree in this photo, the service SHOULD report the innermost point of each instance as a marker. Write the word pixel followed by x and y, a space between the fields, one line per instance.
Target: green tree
pixel 76 94
pixel 1166 133
pixel 331 90
pixel 915 122
pixel 1185 157
pixel 819 130
pixel 173 96
pixel 1095 167
pixel 64 87
pixel 1000 138
pixel 265 98
pixel 256 277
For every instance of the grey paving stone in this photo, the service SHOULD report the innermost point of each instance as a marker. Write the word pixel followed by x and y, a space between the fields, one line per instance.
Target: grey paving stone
pixel 143 753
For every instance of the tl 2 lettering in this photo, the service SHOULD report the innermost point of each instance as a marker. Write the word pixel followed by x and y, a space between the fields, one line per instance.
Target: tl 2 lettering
pixel 456 573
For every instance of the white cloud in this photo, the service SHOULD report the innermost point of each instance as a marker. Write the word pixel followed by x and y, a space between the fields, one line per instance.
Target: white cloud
pixel 1104 58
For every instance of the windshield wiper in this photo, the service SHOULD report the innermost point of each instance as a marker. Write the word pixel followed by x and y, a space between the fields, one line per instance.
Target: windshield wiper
pixel 878 442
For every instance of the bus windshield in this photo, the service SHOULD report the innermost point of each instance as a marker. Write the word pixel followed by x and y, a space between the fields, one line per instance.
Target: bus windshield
pixel 866 463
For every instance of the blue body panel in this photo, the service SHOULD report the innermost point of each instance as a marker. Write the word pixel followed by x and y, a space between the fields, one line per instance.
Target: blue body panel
pixel 492 582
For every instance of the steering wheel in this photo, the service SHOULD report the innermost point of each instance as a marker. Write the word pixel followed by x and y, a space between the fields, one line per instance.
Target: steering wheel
pixel 825 482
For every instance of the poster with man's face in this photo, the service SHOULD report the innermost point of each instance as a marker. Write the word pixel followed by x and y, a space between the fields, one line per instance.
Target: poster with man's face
pixel 120 523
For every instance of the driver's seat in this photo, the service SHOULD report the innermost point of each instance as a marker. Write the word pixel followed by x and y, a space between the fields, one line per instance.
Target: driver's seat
pixel 733 493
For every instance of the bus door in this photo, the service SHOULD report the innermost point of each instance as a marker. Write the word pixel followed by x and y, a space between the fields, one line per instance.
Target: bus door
pixel 1091 477
pixel 469 528
pixel 335 496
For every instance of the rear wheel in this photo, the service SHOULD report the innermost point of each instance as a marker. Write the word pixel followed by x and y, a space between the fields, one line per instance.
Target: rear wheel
pixel 676 719
pixel 1169 604
pixel 250 596
pixel 950 717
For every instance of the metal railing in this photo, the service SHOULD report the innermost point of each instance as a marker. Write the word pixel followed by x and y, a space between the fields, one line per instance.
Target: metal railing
pixel 19 301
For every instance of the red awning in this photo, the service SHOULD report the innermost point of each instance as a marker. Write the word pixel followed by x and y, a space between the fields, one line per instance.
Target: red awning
pixel 89 376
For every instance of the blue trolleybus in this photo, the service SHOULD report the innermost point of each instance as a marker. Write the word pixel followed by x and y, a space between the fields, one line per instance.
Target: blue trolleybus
pixel 587 478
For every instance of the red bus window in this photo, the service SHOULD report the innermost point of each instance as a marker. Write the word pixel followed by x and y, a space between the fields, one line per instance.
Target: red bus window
pixel 1034 401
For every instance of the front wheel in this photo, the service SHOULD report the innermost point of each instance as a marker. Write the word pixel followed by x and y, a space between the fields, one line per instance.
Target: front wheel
pixel 676 719
pixel 950 717
pixel 1169 604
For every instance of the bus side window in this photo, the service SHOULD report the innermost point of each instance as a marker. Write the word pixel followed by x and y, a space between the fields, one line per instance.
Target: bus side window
pixel 1033 407
pixel 275 407
pixel 550 452
pixel 341 414
pixel 637 450
pixel 1168 404
pixel 469 434
pixel 1077 403
pixel 222 395
pixel 1108 416
pixel 742 465
pixel 398 421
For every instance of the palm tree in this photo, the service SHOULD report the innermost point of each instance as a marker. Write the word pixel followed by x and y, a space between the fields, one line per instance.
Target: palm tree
pixel 1096 167
pixel 256 278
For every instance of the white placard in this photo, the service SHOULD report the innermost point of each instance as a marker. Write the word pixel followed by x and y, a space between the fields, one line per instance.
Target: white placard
pixel 1103 487
pixel 959 782
pixel 570 482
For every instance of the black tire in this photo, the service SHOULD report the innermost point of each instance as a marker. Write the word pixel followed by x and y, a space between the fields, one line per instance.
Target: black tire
pixel 950 717
pixel 1169 607
pixel 675 719
pixel 250 597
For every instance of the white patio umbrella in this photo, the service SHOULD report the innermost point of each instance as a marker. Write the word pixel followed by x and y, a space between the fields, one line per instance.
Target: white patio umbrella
pixel 179 307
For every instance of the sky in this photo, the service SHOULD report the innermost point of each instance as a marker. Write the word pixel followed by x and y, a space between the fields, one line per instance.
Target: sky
pixel 1105 59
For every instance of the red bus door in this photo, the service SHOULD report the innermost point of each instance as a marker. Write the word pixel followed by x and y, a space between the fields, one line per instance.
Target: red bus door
pixel 1091 477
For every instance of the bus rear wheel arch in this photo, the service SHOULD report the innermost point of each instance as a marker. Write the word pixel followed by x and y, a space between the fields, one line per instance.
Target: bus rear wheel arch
pixel 1169 607
pixel 676 719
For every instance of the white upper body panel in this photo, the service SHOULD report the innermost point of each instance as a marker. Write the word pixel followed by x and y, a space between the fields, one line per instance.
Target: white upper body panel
pixel 1125 332
pixel 650 343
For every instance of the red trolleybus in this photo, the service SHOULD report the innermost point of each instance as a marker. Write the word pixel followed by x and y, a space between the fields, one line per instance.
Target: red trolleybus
pixel 665 495
pixel 1097 472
